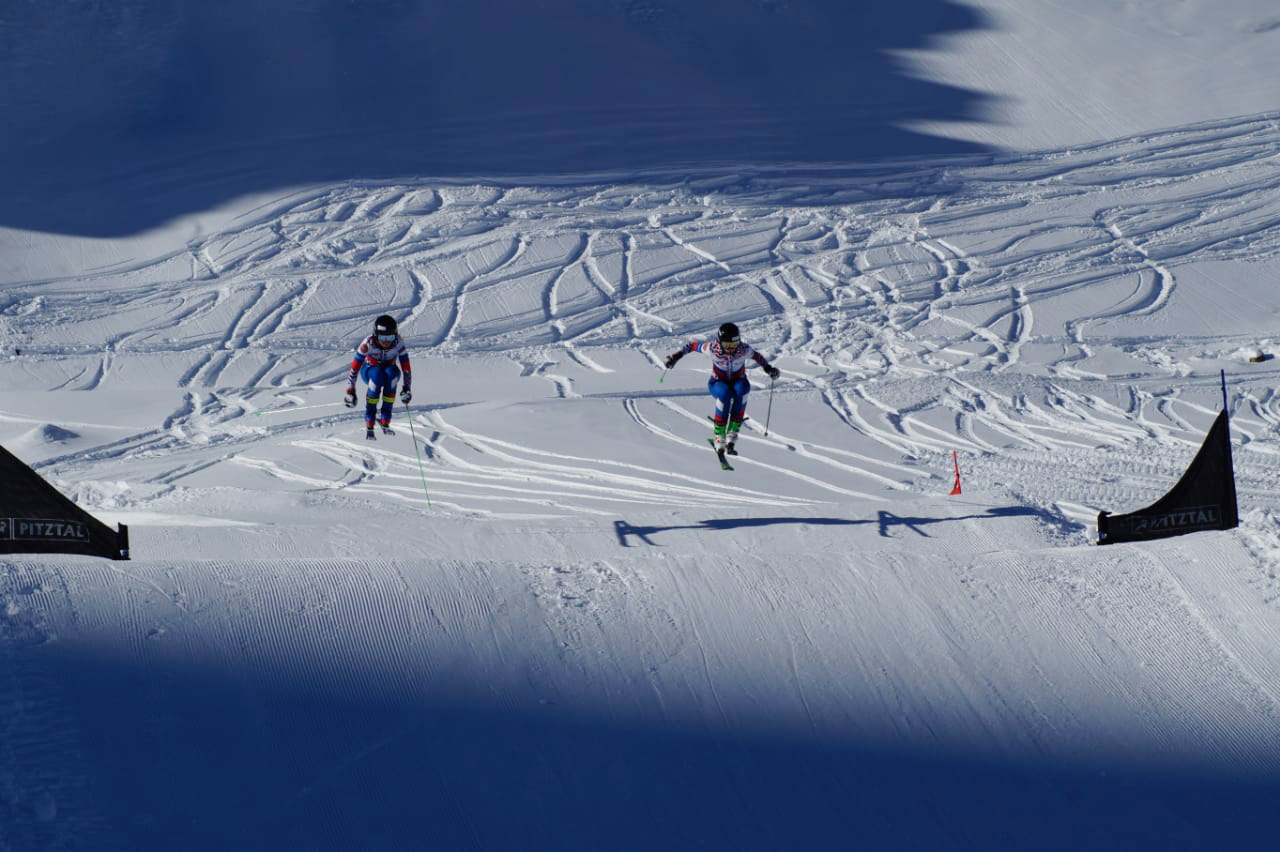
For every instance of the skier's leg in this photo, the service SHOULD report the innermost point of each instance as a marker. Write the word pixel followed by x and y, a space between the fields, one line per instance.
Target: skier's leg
pixel 390 379
pixel 372 379
pixel 722 393
pixel 738 410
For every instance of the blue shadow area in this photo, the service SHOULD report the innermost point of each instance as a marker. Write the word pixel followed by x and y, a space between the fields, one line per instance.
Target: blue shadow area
pixel 117 117
pixel 167 757
pixel 887 522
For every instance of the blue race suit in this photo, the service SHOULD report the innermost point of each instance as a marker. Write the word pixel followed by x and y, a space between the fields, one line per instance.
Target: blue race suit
pixel 377 368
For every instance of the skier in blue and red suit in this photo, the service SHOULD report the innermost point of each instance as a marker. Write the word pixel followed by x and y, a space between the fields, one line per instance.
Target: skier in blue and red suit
pixel 728 382
pixel 379 360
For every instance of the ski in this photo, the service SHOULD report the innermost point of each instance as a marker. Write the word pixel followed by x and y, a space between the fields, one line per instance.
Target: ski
pixel 729 448
pixel 724 462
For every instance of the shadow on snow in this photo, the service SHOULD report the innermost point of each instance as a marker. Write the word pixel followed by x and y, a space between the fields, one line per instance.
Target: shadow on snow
pixel 109 754
pixel 886 520
pixel 117 117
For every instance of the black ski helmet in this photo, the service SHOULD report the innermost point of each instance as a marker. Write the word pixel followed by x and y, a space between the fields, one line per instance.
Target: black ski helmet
pixel 384 325
pixel 728 333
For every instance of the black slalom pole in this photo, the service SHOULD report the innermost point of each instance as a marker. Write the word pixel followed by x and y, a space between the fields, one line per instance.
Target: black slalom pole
pixel 769 411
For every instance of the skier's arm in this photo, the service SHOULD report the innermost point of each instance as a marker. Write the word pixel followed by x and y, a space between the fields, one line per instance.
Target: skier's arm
pixel 773 371
pixel 405 393
pixel 405 372
pixel 691 346
pixel 353 369
pixel 349 398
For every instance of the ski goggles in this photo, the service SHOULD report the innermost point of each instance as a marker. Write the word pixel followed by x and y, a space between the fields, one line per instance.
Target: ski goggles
pixel 729 344
pixel 386 338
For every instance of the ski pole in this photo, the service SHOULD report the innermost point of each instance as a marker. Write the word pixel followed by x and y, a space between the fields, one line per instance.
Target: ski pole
pixel 768 411
pixel 421 471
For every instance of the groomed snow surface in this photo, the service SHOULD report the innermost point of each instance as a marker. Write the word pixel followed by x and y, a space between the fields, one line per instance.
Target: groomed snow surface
pixel 540 616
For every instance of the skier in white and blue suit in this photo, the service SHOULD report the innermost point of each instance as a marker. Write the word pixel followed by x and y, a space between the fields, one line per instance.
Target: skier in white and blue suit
pixel 380 360
pixel 728 382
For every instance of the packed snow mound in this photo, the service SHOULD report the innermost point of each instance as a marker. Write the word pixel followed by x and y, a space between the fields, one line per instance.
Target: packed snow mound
pixel 53 434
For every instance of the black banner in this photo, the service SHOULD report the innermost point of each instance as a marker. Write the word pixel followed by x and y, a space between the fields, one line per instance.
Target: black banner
pixel 36 518
pixel 1203 499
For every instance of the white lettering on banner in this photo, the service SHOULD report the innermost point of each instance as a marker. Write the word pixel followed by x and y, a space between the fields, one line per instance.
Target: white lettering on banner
pixel 38 529
pixel 1195 517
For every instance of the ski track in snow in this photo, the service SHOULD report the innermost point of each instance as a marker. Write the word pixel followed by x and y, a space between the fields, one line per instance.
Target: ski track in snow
pixel 1007 309
pixel 851 296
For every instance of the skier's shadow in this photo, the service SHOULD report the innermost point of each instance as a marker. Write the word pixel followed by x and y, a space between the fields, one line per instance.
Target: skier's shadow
pixel 887 521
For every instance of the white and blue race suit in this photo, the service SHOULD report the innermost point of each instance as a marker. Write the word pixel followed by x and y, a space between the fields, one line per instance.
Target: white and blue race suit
pixel 728 382
pixel 380 370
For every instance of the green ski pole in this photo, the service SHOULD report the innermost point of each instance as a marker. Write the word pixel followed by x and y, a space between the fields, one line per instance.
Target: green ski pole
pixel 421 471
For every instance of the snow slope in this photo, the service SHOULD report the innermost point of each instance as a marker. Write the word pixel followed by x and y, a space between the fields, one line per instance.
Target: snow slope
pixel 540 616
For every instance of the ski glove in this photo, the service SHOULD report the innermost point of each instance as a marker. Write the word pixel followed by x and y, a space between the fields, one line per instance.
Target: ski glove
pixel 350 398
pixel 673 358
pixel 405 396
pixel 773 372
